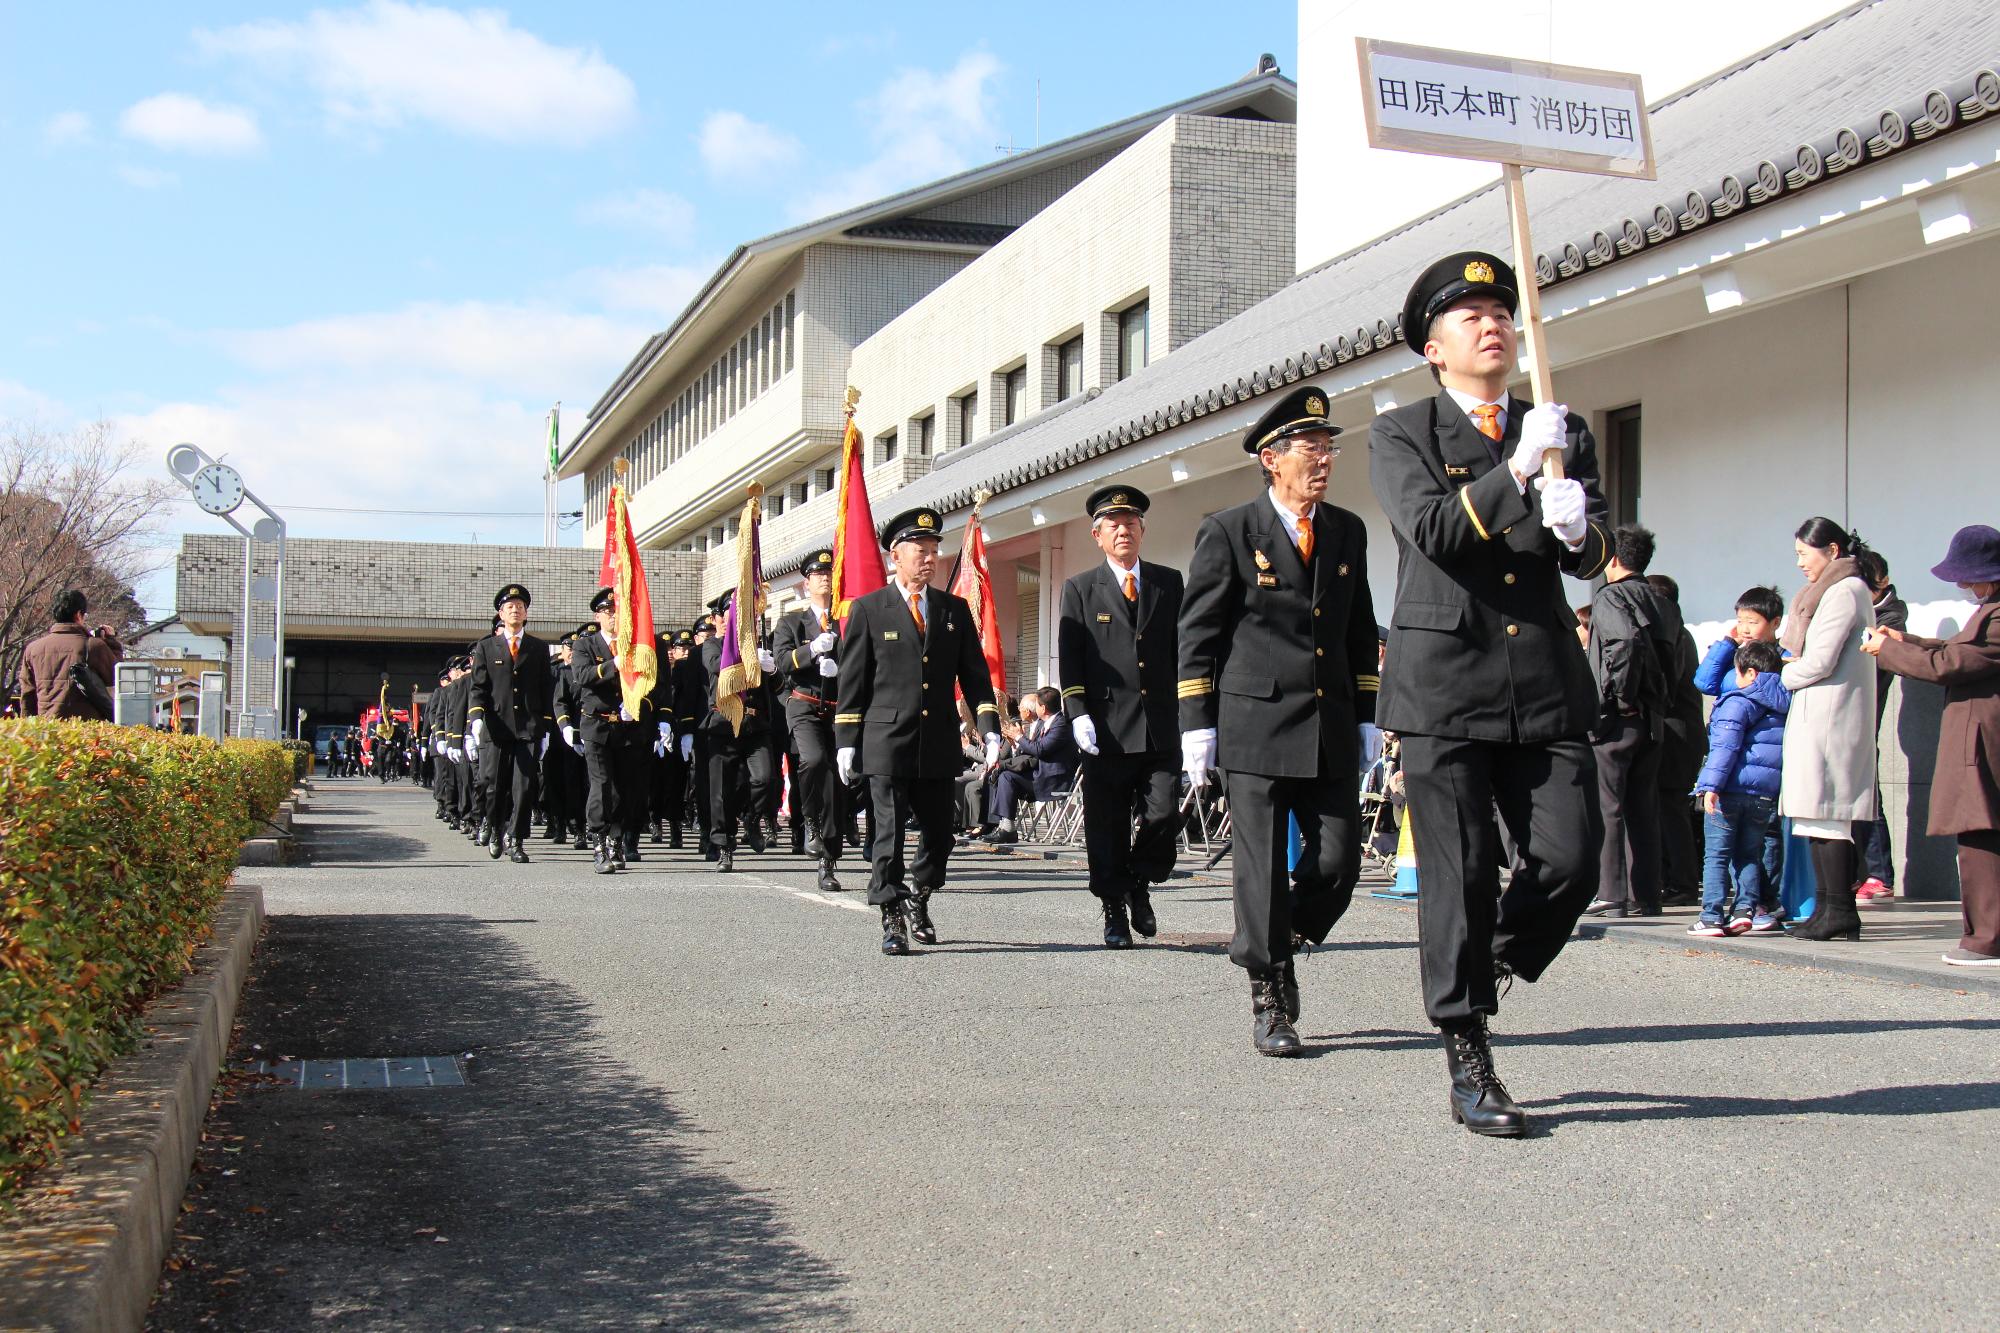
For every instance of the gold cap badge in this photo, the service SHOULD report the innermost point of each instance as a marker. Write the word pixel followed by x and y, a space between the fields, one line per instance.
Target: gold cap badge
pixel 1262 562
pixel 1315 405
pixel 1479 271
pixel 924 520
pixel 1120 498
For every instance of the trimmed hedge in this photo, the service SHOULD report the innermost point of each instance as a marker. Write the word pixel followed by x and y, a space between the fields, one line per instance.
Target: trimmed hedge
pixel 302 759
pixel 116 844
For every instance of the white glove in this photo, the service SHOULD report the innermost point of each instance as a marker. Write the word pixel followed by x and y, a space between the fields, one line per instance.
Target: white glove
pixel 828 667
pixel 1198 754
pixel 472 743
pixel 843 759
pixel 660 748
pixel 823 645
pixel 438 743
pixel 543 752
pixel 625 716
pixel 1563 508
pixel 455 753
pixel 992 749
pixel 1085 732
pixel 765 660
pixel 687 749
pixel 569 737
pixel 1544 428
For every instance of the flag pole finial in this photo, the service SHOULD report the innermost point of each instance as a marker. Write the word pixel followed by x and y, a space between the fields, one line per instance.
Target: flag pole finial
pixel 755 491
pixel 621 466
pixel 853 397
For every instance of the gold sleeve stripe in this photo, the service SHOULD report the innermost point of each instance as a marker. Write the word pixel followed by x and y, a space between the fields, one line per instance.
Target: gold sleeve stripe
pixel 1368 680
pixel 795 659
pixel 1072 691
pixel 1190 688
pixel 1465 498
pixel 477 709
pixel 847 717
pixel 990 708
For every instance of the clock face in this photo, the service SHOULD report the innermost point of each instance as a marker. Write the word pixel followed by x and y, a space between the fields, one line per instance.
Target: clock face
pixel 218 488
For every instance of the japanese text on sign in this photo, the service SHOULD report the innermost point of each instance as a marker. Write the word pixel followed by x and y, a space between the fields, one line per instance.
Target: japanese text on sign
pixel 1465 105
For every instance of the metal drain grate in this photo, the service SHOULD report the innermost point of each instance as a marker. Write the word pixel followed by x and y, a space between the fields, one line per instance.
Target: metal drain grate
pixel 375 1072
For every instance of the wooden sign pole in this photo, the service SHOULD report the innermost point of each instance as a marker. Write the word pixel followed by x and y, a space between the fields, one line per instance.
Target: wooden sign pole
pixel 1529 320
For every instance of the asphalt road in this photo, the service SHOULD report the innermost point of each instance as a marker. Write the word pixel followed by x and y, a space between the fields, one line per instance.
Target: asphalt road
pixel 708 1100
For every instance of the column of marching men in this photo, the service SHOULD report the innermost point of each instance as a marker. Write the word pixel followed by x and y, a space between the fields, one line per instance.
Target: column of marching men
pixel 1255 671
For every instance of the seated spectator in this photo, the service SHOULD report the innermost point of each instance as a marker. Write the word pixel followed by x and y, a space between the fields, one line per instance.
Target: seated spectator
pixel 1739 794
pixel 1046 742
pixel 49 687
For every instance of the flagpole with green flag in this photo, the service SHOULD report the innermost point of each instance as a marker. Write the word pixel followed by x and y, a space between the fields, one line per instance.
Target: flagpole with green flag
pixel 549 475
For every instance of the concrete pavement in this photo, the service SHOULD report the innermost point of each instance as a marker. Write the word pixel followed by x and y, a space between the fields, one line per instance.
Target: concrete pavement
pixel 705 1099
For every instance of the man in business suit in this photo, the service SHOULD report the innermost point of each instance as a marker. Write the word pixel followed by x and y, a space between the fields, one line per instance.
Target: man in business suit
pixel 1118 616
pixel 904 648
pixel 1042 766
pixel 1486 684
pixel 1277 672
pixel 615 743
pixel 807 648
pixel 511 712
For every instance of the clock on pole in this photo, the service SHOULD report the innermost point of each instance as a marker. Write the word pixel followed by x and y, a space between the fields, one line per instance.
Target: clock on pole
pixel 218 488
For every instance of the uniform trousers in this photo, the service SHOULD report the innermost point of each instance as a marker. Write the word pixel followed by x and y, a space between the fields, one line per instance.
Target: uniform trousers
pixel 617 769
pixel 698 779
pixel 562 780
pixel 816 788
pixel 670 786
pixel 441 785
pixel 1547 797
pixel 1628 793
pixel 1117 788
pixel 739 778
pixel 465 786
pixel 513 772
pixel 1273 903
pixel 892 800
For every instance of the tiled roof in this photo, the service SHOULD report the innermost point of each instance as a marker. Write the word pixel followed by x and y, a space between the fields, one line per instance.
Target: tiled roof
pixel 1865 84
pixel 930 231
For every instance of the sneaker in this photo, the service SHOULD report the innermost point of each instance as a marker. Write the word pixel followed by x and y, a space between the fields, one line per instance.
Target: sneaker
pixel 1711 929
pixel 1737 925
pixel 1766 923
pixel 1967 958
pixel 1874 891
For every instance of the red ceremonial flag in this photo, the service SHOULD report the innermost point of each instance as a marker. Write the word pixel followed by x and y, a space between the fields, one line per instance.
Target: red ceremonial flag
pixel 624 573
pixel 857 554
pixel 973 581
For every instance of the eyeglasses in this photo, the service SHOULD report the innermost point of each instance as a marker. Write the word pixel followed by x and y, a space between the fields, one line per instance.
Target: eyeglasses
pixel 1315 451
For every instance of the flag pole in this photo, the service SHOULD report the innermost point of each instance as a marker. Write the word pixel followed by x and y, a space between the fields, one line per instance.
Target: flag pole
pixel 1541 377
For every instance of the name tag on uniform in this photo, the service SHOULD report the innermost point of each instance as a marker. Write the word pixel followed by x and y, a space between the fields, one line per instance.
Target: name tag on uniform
pixel 888 635
pixel 1451 471
pixel 1267 580
pixel 1103 619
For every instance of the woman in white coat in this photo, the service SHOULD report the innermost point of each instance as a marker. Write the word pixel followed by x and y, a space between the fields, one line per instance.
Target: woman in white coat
pixel 1829 775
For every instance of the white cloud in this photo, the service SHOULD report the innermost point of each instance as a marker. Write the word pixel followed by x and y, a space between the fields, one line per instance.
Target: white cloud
pixel 66 129
pixel 147 178
pixel 735 147
pixel 657 213
pixel 517 347
pixel 186 124
pixel 924 125
pixel 386 64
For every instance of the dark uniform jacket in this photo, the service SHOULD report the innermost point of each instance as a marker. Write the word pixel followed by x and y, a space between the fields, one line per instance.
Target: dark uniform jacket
pixel 1117 661
pixel 1482 644
pixel 897 705
pixel 457 697
pixel 1278 659
pixel 598 692
pixel 687 688
pixel 798 668
pixel 756 702
pixel 516 697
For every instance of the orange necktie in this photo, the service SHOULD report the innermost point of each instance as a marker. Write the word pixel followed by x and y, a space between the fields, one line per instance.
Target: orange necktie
pixel 513 650
pixel 1305 537
pixel 1131 587
pixel 917 610
pixel 1488 417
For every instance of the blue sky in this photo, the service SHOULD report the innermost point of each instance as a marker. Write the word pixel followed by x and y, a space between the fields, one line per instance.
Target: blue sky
pixel 360 249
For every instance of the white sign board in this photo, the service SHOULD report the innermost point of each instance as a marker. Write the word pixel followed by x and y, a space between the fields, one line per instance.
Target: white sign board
pixel 1418 99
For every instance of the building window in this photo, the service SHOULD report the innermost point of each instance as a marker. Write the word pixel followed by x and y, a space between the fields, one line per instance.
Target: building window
pixel 1069 368
pixel 791 314
pixel 885 447
pixel 1621 460
pixel 968 417
pixel 716 534
pixel 923 434
pixel 735 526
pixel 801 492
pixel 825 480
pixel 1016 385
pixel 1132 339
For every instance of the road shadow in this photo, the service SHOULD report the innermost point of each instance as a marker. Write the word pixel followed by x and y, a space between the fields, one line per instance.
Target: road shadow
pixel 358 845
pixel 556 1190
pixel 1393 1039
pixel 1608 1107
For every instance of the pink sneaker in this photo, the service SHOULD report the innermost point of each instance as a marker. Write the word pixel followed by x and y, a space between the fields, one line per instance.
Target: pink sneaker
pixel 1874 891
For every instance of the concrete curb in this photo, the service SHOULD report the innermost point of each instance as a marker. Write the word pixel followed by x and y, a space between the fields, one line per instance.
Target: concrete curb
pixel 1809 956
pixel 85 1248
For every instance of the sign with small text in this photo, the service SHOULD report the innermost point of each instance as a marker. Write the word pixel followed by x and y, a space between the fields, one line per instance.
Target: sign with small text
pixel 1419 99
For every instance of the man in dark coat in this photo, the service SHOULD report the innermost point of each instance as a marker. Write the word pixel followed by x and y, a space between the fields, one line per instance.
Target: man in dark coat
pixel 903 649
pixel 1485 682
pixel 511 712
pixel 1117 617
pixel 737 755
pixel 1277 672
pixel 48 684
pixel 616 744
pixel 807 648
pixel 1041 767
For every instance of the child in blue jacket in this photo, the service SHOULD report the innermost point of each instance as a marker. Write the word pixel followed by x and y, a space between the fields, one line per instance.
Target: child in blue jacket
pixel 1739 793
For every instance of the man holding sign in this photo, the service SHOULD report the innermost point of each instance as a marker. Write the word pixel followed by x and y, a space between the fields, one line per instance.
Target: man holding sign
pixel 1485 681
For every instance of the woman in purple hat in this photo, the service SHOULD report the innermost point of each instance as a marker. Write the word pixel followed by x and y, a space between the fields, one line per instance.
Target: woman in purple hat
pixel 1965 791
